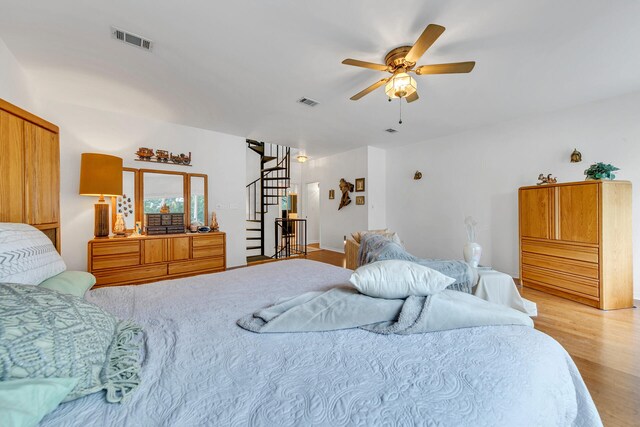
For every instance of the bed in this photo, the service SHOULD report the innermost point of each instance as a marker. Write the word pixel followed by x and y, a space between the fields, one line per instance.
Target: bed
pixel 200 368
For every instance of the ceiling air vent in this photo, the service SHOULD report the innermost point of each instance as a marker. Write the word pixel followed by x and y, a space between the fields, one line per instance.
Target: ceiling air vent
pixel 131 39
pixel 391 130
pixel 308 101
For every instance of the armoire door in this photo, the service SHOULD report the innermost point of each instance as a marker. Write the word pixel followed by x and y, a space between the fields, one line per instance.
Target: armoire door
pixel 42 182
pixel 537 213
pixel 578 213
pixel 11 167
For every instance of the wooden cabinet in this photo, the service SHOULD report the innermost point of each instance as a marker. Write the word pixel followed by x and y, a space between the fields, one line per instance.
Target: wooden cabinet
pixel 575 241
pixel 134 260
pixel 30 165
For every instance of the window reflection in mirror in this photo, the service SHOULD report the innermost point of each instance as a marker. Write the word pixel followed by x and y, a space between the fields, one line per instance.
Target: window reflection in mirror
pixel 163 189
pixel 197 199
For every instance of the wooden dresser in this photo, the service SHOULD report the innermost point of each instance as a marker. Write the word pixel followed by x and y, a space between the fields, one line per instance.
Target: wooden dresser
pixel 134 260
pixel 30 167
pixel 575 241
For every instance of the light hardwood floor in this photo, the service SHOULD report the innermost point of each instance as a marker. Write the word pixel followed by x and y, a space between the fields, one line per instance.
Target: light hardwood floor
pixel 605 345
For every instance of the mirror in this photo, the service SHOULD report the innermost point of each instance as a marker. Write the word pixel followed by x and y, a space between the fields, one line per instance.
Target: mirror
pixel 198 209
pixel 163 188
pixel 126 204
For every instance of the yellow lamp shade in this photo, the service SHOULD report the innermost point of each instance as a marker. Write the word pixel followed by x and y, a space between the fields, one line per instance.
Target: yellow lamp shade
pixel 401 85
pixel 100 175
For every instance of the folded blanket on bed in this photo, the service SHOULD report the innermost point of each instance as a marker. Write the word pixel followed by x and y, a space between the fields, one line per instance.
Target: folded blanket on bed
pixel 374 247
pixel 345 308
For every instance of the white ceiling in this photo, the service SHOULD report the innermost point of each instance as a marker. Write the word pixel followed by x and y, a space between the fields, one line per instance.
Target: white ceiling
pixel 239 66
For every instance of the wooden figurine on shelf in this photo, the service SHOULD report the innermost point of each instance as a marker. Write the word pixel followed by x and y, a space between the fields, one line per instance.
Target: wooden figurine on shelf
pixel 144 153
pixel 162 156
pixel 549 179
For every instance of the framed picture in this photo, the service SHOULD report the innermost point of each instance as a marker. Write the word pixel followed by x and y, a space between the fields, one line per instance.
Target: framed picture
pixel 359 184
pixel 359 200
pixel 332 194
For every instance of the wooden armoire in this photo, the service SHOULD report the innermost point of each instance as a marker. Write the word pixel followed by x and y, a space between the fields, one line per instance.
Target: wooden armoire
pixel 30 171
pixel 575 241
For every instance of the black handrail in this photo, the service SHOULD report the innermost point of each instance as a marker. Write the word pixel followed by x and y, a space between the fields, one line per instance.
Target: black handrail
pixel 290 237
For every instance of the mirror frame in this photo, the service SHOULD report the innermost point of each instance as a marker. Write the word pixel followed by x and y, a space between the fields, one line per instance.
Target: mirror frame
pixel 139 194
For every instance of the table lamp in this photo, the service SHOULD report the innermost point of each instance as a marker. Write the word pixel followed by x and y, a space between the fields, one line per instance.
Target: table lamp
pixel 100 175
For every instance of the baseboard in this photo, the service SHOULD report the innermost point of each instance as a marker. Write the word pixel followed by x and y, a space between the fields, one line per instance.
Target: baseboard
pixel 327 248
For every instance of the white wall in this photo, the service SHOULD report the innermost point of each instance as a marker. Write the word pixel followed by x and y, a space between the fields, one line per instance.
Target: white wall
pixel 220 156
pixel 376 188
pixel 13 81
pixel 334 223
pixel 478 173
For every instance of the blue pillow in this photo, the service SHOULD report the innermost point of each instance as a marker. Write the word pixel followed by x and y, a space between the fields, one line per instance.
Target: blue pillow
pixel 74 283
pixel 23 403
pixel 44 333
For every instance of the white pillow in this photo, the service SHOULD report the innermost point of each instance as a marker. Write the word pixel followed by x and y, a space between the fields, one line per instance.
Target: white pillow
pixel 27 256
pixel 394 279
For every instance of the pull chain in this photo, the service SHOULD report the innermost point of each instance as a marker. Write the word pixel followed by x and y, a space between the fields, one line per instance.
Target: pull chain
pixel 400 121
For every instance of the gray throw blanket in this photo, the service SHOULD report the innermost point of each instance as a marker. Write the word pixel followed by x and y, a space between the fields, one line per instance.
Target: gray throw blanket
pixel 375 247
pixel 345 308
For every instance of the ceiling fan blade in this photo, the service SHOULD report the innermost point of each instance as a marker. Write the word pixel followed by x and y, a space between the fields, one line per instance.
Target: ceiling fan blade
pixel 364 64
pixel 371 88
pixel 413 97
pixel 424 42
pixel 454 67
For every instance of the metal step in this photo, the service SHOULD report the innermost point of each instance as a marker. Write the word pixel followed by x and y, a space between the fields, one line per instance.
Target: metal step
pixel 267 159
pixel 254 238
pixel 253 229
pixel 275 168
pixel 253 220
pixel 274 187
pixel 269 178
pixel 249 248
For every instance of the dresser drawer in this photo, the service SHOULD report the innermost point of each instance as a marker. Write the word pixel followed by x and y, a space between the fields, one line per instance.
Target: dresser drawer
pixel 115 261
pixel 563 250
pixel 198 265
pixel 126 276
pixel 208 251
pixel 115 248
pixel 560 281
pixel 563 265
pixel 200 240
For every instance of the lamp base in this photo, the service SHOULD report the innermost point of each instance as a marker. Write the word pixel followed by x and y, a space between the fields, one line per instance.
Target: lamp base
pixel 101 229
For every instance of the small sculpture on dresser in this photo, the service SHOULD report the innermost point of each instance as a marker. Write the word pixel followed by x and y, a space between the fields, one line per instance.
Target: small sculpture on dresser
pixel 549 179
pixel 214 222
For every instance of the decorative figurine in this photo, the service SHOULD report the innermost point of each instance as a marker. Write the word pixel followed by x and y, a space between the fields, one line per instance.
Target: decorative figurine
pixel 144 153
pixel 164 208
pixel 214 221
pixel 345 187
pixel 576 156
pixel 549 179
pixel 417 175
pixel 162 156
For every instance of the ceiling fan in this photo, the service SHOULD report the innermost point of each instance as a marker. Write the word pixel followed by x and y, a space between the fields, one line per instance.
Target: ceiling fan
pixel 402 60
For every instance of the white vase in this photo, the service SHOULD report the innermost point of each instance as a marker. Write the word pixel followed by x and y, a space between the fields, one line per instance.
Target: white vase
pixel 472 253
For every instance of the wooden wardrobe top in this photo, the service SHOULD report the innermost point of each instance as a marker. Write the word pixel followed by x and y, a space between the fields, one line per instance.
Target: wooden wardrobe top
pixel 590 182
pixel 25 115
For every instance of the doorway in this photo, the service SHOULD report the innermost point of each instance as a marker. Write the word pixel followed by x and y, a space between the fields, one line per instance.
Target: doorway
pixel 312 212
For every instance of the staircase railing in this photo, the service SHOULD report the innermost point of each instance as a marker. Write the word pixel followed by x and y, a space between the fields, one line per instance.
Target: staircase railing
pixel 266 190
pixel 290 237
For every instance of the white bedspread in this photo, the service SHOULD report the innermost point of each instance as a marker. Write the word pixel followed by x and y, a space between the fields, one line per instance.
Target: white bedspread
pixel 202 369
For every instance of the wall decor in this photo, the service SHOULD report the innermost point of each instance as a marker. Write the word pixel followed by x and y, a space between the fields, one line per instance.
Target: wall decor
pixel 214 221
pixel 549 179
pixel 162 156
pixel 576 156
pixel 359 184
pixel 417 176
pixel 359 200
pixel 345 188
pixel 601 171
pixel 332 194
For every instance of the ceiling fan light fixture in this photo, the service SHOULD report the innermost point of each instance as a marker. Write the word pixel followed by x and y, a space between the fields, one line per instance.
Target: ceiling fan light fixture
pixel 401 85
pixel 302 158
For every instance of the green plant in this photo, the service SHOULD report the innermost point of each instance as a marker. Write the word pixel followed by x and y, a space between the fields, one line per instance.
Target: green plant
pixel 601 171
